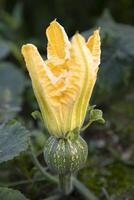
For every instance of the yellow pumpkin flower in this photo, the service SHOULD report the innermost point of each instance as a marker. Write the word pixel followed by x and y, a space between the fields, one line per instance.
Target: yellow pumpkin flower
pixel 64 82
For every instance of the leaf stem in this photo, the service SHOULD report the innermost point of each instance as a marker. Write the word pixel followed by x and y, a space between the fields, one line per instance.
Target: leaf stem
pixel 47 175
pixel 86 126
pixel 54 197
pixel 83 190
pixel 22 182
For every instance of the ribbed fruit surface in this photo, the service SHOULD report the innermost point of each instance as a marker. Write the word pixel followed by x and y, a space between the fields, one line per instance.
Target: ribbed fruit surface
pixel 65 156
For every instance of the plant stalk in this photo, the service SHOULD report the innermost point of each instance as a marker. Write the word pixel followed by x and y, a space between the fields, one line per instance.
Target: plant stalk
pixel 65 183
pixel 47 175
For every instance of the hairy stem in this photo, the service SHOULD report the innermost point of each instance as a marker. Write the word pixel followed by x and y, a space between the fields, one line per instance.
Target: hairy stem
pixel 86 126
pixel 47 175
pixel 65 183
pixel 82 189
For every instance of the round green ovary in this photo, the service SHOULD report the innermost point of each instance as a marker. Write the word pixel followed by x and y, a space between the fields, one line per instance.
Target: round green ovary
pixel 65 156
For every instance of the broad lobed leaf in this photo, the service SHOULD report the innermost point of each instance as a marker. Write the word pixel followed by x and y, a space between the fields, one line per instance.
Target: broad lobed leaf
pixel 13 140
pixel 12 84
pixel 10 194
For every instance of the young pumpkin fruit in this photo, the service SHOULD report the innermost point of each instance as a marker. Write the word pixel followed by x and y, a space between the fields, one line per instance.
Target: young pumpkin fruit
pixel 65 156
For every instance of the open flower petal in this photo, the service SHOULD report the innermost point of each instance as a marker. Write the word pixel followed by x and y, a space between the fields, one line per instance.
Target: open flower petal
pixel 93 44
pixel 56 88
pixel 65 91
pixel 63 83
pixel 40 79
pixel 83 57
pixel 58 43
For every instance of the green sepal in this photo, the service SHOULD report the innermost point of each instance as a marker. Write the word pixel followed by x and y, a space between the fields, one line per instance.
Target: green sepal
pixel 90 108
pixel 37 115
pixel 74 134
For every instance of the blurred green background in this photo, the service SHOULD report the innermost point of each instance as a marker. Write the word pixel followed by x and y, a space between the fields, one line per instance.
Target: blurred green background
pixel 109 171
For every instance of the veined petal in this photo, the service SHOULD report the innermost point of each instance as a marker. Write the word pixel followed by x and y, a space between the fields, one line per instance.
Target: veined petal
pixel 82 55
pixel 93 44
pixel 56 88
pixel 63 84
pixel 38 73
pixel 65 93
pixel 58 43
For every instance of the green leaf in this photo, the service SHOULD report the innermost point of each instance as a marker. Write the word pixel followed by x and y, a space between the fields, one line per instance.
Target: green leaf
pixel 84 190
pixel 13 140
pixel 91 107
pixel 37 115
pixel 18 12
pixel 117 58
pixel 74 134
pixel 4 49
pixel 12 84
pixel 10 194
pixel 15 51
pixel 97 115
pixel 9 20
